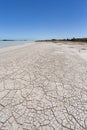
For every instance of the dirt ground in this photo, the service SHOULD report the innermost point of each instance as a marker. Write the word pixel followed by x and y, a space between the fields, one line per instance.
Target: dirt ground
pixel 43 86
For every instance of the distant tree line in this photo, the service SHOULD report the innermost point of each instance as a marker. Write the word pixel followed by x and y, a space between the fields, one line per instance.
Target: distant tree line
pixel 76 39
pixel 72 39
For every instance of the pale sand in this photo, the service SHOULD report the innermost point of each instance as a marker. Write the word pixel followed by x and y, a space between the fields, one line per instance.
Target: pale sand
pixel 43 86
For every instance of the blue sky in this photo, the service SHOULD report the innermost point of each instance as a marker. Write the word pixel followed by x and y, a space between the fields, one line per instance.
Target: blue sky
pixel 43 19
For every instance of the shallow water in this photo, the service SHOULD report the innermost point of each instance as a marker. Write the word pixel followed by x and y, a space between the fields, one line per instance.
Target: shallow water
pixel 12 43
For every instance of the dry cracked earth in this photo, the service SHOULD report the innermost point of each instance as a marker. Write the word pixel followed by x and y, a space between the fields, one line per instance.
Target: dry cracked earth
pixel 43 86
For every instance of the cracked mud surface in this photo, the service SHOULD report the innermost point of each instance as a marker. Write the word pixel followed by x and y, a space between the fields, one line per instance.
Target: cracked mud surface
pixel 43 87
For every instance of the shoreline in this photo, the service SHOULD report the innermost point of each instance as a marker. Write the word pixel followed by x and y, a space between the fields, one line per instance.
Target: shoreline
pixel 4 49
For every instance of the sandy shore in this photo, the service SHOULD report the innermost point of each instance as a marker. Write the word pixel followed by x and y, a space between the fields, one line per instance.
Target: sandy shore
pixel 43 86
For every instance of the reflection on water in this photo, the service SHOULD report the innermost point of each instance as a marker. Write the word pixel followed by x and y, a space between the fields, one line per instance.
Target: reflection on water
pixel 12 43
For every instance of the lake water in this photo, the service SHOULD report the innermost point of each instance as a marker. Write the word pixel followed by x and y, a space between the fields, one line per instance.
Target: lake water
pixel 12 43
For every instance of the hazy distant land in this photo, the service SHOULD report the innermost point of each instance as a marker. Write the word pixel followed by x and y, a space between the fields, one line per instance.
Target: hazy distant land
pixel 12 40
